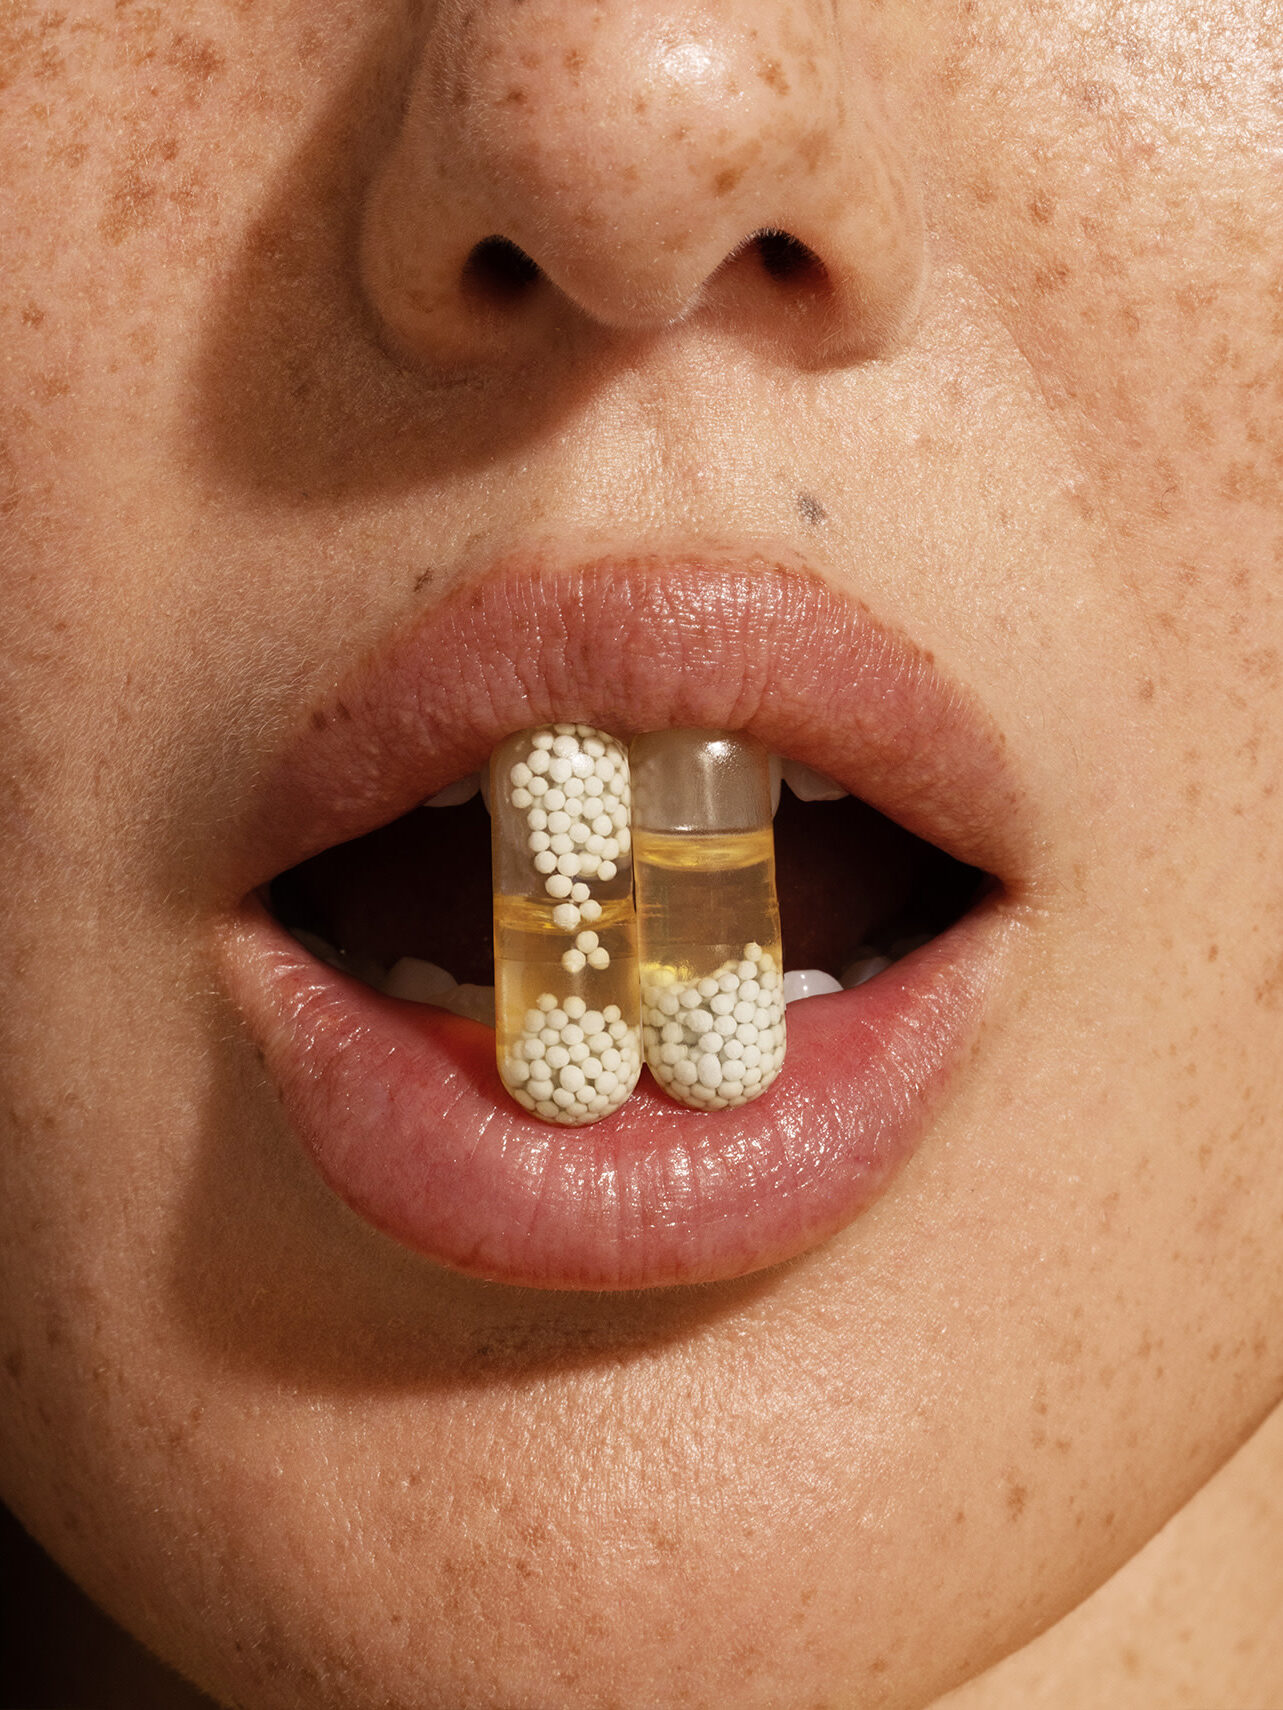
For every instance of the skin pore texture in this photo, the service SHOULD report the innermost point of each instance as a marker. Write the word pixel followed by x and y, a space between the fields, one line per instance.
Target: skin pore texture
pixel 1017 398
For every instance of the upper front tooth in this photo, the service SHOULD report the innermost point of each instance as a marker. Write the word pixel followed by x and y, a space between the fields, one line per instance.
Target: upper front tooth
pixel 809 785
pixel 454 795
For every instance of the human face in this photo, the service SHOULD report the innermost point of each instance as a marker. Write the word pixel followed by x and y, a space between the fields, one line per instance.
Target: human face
pixel 288 472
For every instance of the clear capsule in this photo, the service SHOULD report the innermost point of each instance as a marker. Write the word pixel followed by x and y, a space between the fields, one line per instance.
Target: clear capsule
pixel 567 1032
pixel 708 922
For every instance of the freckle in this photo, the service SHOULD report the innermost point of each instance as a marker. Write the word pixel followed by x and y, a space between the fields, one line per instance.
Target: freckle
pixel 1053 277
pixel 129 209
pixel 1145 689
pixel 1041 208
pixel 726 180
pixel 52 65
pixel 70 155
pixel 144 345
pixel 15 1363
pixel 1269 994
pixel 198 60
pixel 812 148
pixel 771 73
pixel 573 62
pixel 640 104
pixel 515 98
pixel 1017 1498
pixel 1265 663
pixel 33 315
pixel 811 509
pixel 1198 420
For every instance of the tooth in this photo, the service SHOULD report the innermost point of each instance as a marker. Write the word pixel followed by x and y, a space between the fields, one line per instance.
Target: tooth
pixel 707 918
pixel 320 947
pixel 567 998
pixel 475 1003
pixel 802 983
pixel 863 968
pixel 454 795
pixel 420 982
pixel 777 775
pixel 808 785
pixel 363 968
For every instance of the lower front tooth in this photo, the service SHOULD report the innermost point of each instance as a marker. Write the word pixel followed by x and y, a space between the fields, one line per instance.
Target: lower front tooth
pixel 566 992
pixel 418 981
pixel 707 917
pixel 802 983
pixel 474 1003
pixel 864 968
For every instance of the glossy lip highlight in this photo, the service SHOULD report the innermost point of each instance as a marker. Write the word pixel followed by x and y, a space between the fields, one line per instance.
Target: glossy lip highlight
pixel 400 1106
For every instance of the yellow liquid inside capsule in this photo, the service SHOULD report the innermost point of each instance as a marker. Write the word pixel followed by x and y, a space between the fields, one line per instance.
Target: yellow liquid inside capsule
pixel 711 965
pixel 528 950
pixel 701 897
pixel 528 969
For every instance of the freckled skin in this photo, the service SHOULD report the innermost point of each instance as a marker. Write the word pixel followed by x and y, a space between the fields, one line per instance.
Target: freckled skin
pixel 1025 407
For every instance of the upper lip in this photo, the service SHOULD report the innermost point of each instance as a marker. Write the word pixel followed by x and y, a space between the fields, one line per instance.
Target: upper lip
pixel 644 644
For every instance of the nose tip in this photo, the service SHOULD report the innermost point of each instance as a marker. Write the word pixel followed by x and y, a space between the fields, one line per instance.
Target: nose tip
pixel 635 169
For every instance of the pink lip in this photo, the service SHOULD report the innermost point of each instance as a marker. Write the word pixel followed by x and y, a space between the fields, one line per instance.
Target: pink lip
pixel 400 1105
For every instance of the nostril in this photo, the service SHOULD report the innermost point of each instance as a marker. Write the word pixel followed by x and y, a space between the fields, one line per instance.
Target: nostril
pixel 498 271
pixel 788 260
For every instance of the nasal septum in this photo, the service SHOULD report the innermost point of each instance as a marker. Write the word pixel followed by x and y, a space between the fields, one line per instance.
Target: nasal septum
pixel 635 918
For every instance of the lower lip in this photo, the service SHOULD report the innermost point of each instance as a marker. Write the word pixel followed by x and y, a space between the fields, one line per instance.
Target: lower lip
pixel 403 1113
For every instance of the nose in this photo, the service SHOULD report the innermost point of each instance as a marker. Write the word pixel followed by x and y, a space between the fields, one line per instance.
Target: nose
pixel 632 164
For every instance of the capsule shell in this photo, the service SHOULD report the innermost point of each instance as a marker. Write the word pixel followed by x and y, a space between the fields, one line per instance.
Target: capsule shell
pixel 708 922
pixel 567 1037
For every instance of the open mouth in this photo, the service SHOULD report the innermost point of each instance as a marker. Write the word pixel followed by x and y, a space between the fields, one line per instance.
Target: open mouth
pixel 407 908
pixel 362 955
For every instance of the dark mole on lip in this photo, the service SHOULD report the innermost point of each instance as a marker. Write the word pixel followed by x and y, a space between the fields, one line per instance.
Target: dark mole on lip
pixel 811 508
